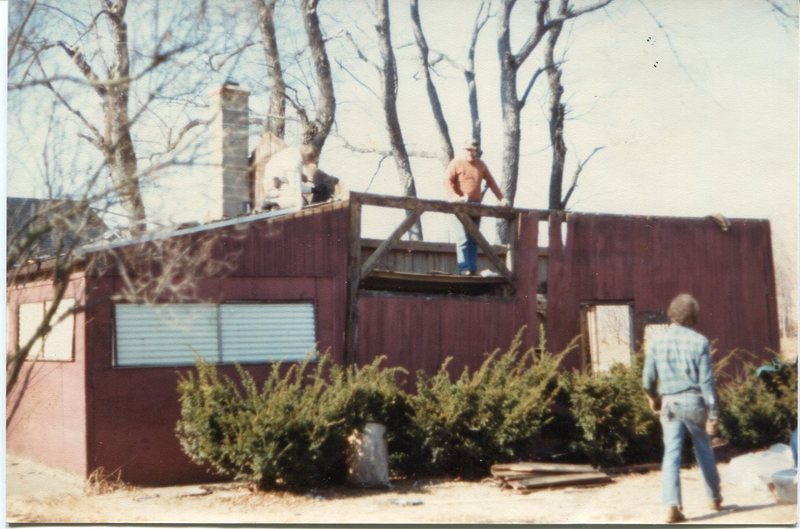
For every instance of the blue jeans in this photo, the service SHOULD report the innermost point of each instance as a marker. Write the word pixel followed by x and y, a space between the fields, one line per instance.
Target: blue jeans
pixel 679 414
pixel 466 247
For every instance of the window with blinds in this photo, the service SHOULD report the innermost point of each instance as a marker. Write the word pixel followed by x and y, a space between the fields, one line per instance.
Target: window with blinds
pixel 180 334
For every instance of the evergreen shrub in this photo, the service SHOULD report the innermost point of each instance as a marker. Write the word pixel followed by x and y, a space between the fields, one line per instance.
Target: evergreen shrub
pixel 757 412
pixel 293 430
pixel 614 424
pixel 487 416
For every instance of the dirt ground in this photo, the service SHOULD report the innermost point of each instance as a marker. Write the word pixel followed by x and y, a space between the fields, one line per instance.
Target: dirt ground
pixel 36 494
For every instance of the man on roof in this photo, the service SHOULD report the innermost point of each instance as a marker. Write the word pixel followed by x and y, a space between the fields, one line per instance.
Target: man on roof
pixel 465 177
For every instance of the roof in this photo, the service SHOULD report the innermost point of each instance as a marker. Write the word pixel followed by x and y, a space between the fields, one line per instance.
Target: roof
pixel 52 223
pixel 282 214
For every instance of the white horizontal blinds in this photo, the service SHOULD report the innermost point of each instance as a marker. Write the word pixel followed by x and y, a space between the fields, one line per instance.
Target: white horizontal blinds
pixel 170 334
pixel 267 332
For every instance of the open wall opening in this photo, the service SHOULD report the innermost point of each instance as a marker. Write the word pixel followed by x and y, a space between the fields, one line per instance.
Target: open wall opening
pixel 607 334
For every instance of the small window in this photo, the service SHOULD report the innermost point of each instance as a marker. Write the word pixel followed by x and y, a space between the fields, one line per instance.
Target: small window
pixel 56 345
pixel 608 335
pixel 179 334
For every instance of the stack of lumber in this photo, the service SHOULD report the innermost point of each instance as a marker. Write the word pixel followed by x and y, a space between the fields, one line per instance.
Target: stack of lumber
pixel 527 477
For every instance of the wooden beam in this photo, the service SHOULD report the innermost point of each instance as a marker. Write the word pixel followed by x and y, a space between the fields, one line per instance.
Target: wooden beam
pixel 425 246
pixel 353 280
pixel 563 480
pixel 387 245
pixel 559 468
pixel 412 203
pixel 511 256
pixel 475 233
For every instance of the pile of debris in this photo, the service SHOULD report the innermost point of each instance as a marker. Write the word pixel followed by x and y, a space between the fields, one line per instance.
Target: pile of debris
pixel 527 477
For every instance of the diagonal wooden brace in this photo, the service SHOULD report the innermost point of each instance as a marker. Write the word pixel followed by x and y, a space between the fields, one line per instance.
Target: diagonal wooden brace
pixel 475 233
pixel 386 245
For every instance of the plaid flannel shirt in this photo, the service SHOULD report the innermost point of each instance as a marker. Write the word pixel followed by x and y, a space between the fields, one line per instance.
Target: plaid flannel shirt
pixel 680 361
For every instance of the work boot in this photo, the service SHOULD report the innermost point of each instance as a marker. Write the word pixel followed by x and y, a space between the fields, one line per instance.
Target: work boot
pixel 716 504
pixel 674 515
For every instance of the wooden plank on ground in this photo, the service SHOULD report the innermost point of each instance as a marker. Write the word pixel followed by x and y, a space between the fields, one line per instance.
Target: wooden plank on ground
pixel 549 468
pixel 510 475
pixel 563 480
pixel 633 469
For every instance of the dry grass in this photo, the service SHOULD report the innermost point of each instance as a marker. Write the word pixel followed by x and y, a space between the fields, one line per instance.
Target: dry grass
pixel 103 482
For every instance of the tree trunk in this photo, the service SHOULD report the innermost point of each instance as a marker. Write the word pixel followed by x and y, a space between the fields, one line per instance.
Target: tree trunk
pixel 276 119
pixel 510 109
pixel 317 132
pixel 389 78
pixel 557 110
pixel 469 74
pixel 119 149
pixel 512 105
pixel 433 96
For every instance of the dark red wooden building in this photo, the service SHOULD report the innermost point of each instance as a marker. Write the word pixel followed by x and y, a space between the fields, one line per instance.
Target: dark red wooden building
pixel 270 287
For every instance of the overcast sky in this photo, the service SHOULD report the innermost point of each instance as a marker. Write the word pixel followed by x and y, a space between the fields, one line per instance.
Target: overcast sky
pixel 695 117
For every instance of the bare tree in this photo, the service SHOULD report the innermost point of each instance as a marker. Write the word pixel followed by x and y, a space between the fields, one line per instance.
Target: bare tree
pixel 468 70
pixel 317 131
pixel 43 228
pixel 511 102
pixel 433 95
pixel 557 112
pixel 97 45
pixel 275 122
pixel 388 73
pixel 48 236
pixel 481 18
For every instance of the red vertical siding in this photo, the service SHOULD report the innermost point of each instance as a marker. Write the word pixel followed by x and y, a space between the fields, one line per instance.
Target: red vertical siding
pixel 419 332
pixel 133 411
pixel 45 413
pixel 649 260
pixel 127 417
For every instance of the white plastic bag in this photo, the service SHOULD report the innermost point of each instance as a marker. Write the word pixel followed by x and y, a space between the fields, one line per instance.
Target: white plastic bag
pixel 785 485
pixel 368 462
pixel 755 470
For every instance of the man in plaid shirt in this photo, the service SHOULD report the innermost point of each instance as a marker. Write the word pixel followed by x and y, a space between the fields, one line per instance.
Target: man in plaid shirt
pixel 679 382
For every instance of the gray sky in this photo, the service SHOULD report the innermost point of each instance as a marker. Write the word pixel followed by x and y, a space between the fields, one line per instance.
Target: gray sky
pixel 702 122
pixel 696 117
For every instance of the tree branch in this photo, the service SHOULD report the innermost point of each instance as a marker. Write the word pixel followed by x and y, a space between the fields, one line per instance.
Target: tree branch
pixel 433 95
pixel 588 9
pixel 357 80
pixel 97 140
pixel 80 61
pixel 469 72
pixel 534 77
pixel 17 33
pixel 575 176
pixel 536 35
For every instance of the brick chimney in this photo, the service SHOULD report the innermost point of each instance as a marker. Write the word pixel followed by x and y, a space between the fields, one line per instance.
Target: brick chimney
pixel 228 132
